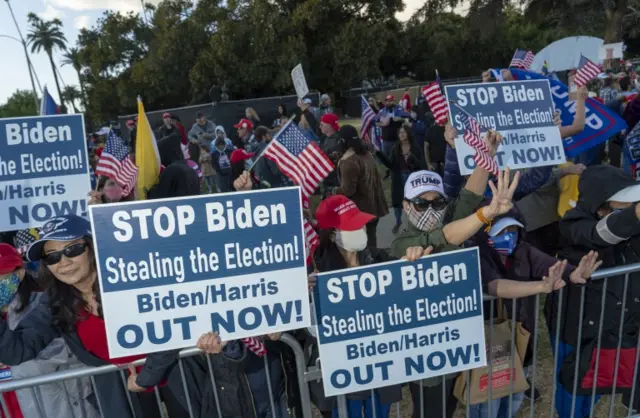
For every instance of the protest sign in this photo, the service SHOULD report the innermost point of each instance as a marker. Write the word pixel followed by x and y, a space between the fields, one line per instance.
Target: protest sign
pixel 398 322
pixel 601 122
pixel 173 269
pixel 44 170
pixel 522 111
pixel 299 82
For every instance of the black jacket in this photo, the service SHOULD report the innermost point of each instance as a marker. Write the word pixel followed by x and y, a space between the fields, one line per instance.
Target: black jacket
pixel 616 238
pixel 36 331
pixel 415 162
pixel 266 169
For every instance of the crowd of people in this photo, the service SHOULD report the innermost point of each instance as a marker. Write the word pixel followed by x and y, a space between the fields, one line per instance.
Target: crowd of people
pixel 538 231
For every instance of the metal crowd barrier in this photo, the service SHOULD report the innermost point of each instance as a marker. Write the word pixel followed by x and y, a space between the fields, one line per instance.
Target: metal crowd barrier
pixel 313 373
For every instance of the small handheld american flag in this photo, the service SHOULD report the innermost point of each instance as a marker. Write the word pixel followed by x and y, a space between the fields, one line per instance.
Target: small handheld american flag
pixel 587 71
pixel 437 102
pixel 522 59
pixel 472 138
pixel 368 119
pixel 311 239
pixel 23 239
pixel 116 164
pixel 299 158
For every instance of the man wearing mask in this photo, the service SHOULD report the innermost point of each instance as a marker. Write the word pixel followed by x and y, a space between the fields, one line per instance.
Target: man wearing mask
pixel 606 219
pixel 203 131
pixel 390 119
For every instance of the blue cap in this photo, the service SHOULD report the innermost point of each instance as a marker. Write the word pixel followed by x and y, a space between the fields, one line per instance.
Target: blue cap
pixel 62 228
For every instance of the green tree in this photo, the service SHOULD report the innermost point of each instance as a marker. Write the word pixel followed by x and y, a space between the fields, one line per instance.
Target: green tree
pixel 20 103
pixel 71 94
pixel 73 58
pixel 47 36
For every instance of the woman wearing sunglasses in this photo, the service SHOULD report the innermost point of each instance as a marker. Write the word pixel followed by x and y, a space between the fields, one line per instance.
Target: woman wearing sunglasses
pixel 71 309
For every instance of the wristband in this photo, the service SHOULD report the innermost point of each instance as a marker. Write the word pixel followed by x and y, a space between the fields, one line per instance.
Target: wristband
pixel 484 220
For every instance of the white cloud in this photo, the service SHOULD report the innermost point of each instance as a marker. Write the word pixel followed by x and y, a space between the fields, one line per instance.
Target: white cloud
pixel 118 5
pixel 50 13
pixel 81 22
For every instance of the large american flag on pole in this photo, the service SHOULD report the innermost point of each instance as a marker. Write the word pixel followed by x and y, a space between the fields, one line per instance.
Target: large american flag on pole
pixel 368 124
pixel 472 138
pixel 299 159
pixel 587 71
pixel 437 102
pixel 522 59
pixel 116 164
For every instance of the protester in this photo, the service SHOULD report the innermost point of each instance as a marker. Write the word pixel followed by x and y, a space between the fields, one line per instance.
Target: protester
pixel 194 157
pixel 207 168
pixel 221 134
pixel 168 127
pixel 221 161
pixel 406 158
pixel 240 163
pixel 325 106
pixel 203 131
pixel 445 226
pixel 390 119
pixel 108 191
pixel 305 127
pixel 282 117
pixel 513 269
pixel 608 92
pixel 418 121
pixel 178 177
pixel 605 220
pixel 266 169
pixel 344 244
pixel 252 115
pixel 330 143
pixel 20 293
pixel 405 102
pixel 245 134
pixel 360 180
pixel 71 309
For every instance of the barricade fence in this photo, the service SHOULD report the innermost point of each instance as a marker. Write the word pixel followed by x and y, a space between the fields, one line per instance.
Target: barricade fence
pixel 612 280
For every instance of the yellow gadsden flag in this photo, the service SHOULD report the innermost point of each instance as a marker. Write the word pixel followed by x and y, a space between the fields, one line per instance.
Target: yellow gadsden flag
pixel 147 156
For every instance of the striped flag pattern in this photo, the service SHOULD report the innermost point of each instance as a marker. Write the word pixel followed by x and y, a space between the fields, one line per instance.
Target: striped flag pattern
pixel 299 159
pixel 255 345
pixel 437 102
pixel 587 71
pixel 23 239
pixel 368 119
pixel 522 59
pixel 116 164
pixel 311 239
pixel 472 138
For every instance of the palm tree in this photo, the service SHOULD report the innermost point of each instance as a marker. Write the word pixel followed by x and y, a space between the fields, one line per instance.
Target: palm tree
pixel 72 57
pixel 70 95
pixel 47 36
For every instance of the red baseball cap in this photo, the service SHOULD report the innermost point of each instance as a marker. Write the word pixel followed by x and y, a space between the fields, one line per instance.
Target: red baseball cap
pixel 244 123
pixel 10 259
pixel 331 119
pixel 166 115
pixel 240 155
pixel 341 213
pixel 391 97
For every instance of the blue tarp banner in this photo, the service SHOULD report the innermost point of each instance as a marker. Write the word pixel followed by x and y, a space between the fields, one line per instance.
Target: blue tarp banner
pixel 392 323
pixel 44 170
pixel 601 122
pixel 173 269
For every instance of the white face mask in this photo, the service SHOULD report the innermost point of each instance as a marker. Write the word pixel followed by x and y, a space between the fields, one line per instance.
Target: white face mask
pixel 352 241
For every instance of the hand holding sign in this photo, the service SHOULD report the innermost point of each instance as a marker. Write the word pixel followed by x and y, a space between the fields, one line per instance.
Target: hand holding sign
pixel 414 253
pixel 211 343
pixel 131 381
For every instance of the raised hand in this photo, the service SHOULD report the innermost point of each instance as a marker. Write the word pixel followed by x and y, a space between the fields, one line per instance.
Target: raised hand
pixel 502 201
pixel 554 280
pixel 450 134
pixel 243 182
pixel 588 264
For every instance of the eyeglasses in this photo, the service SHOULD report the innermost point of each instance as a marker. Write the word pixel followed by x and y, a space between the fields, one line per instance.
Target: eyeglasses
pixel 422 205
pixel 71 251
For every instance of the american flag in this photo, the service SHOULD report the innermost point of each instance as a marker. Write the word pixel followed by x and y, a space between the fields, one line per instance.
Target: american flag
pixel 299 159
pixel 587 71
pixel 472 138
pixel 522 59
pixel 311 239
pixel 437 102
pixel 368 119
pixel 116 164
pixel 24 238
pixel 255 345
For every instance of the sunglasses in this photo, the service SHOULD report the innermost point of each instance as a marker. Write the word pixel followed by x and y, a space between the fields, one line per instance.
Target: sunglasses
pixel 71 251
pixel 422 205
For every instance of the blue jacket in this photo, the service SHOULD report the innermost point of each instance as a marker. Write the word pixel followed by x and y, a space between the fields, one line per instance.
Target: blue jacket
pixel 530 181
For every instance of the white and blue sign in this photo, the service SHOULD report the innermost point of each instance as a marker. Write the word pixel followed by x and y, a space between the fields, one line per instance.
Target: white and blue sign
pixel 522 111
pixel 173 269
pixel 44 171
pixel 399 322
pixel 601 123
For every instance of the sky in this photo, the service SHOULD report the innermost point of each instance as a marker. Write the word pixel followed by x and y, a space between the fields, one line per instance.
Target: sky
pixel 75 15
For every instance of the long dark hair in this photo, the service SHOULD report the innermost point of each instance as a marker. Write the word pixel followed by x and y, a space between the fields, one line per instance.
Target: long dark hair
pixel 28 285
pixel 355 143
pixel 194 152
pixel 65 301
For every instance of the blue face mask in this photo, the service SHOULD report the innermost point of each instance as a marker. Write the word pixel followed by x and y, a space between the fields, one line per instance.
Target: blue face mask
pixel 504 243
pixel 8 289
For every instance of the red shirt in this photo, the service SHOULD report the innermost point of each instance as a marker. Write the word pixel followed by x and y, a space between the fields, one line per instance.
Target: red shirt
pixel 93 335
